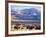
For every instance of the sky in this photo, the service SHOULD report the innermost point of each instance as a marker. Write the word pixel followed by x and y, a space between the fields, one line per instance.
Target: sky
pixel 17 7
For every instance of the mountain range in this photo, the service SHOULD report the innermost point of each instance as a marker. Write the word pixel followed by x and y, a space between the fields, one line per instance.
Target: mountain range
pixel 27 14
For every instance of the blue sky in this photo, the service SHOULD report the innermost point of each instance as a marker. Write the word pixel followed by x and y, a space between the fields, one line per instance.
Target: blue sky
pixel 17 7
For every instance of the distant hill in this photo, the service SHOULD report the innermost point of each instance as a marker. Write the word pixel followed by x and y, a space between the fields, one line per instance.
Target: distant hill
pixel 27 14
